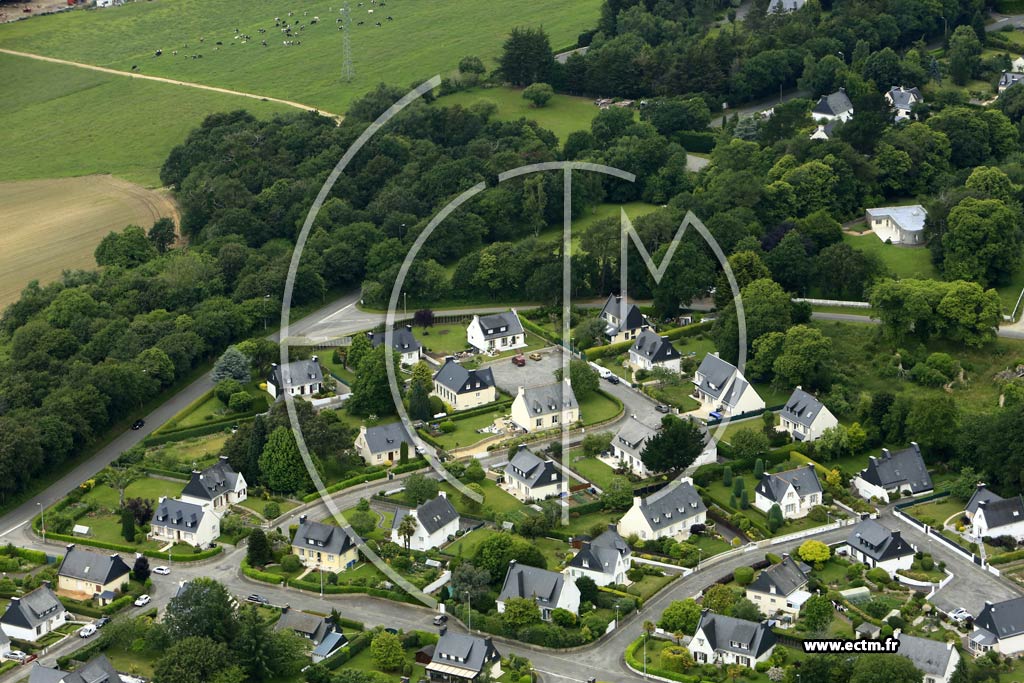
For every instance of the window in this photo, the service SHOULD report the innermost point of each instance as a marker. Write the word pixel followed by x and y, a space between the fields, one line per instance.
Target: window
pixel 540 422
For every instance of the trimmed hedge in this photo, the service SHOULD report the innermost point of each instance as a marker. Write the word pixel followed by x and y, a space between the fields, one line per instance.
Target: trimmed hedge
pixel 480 410
pixel 175 557
pixel 652 670
pixel 411 466
pixel 257 575
pixel 349 590
pixel 355 646
pixel 698 141
pixel 637 600
pixel 535 328
pixel 691 330
pixel 598 352
pixel 1003 558
pixel 156 439
pixel 347 483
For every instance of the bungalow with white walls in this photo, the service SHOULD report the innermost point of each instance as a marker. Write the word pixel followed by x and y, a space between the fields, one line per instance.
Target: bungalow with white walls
pixel 898 224
pixel 903 471
pixel 722 388
pixel 605 560
pixel 794 491
pixel 550 590
pixel 496 332
pixel 874 545
pixel 404 343
pixel 671 511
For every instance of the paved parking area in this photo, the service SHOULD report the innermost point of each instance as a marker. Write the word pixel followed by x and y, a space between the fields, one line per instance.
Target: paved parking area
pixel 535 373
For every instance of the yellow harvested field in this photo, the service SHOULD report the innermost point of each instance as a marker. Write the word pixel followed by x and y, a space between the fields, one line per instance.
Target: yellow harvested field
pixel 49 226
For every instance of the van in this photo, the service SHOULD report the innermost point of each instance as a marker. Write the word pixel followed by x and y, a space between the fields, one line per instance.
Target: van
pixel 602 371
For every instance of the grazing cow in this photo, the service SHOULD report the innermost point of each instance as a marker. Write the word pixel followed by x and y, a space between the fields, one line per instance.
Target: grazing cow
pixel 358 23
pixel 158 53
pixel 391 18
pixel 174 53
pixel 135 67
pixel 220 42
pixel 378 24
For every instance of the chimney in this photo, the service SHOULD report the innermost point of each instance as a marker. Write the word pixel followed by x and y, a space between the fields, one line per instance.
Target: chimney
pixel 409 327
pixel 443 630
pixel 449 359
pixel 896 534
pixel 949 646
pixel 886 454
pixel 162 499
pixel 982 504
pixel 521 391
pixel 913 444
pixel 284 610
pixel 896 633
pixel 273 365
pixel 443 494
pixel 315 359
pixel 302 519
pixel 223 458
pixel 636 500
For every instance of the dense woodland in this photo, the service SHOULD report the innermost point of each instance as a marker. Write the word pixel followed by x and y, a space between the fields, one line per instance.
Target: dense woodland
pixel 88 351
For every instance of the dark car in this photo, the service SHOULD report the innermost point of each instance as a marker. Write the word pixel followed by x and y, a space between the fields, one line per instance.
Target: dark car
pixel 101 622
pixel 259 599
pixel 613 379
pixel 440 619
pixel 138 424
pixel 662 408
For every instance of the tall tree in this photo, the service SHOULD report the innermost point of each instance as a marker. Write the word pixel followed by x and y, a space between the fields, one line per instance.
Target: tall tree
pixel 357 351
pixel 232 364
pixel 371 393
pixel 407 529
pixel 162 234
pixel 281 466
pixel 203 608
pixel 870 668
pixel 420 386
pixel 119 479
pixel 258 553
pixel 674 447
pixel 194 659
pixel 526 56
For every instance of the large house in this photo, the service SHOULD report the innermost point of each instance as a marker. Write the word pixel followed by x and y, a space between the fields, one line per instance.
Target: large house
pixel 779 590
pixel 436 521
pixel 463 389
pixel 903 472
pixel 605 560
pixel 550 590
pixel 992 515
pixel 460 658
pixel 403 341
pixel 902 100
pixel 298 378
pixel 794 491
pixel 179 521
pixel 981 493
pixel 671 511
pixel 218 486
pixel 834 107
pixel 86 574
pixel 874 545
pixel 623 320
pixel 650 351
pixel 496 332
pixel 722 388
pixel 898 224
pixel 33 615
pixel 1008 79
pixel 727 640
pixel 628 446
pixel 999 627
pixel 936 659
pixel 99 669
pixel 325 546
pixel 530 477
pixel 549 406
pixel 804 417
pixel 382 445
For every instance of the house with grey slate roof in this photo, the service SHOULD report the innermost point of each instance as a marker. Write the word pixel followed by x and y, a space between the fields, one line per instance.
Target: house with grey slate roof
pixel 550 406
pixel 462 388
pixel 981 493
pixel 785 5
pixel 721 388
pixel 825 131
pixel 382 444
pixel 324 546
pixel 623 320
pixel 496 332
pixel 298 378
pixel 218 486
pixel 33 615
pixel 794 491
pixel 804 417
pixel 727 640
pixel 86 574
pixel 671 511
pixel 999 627
pixel 1008 79
pixel 531 477
pixel 898 224
pixel 651 351
pixel 902 101
pixel 605 560
pixel 628 446
pixel 874 545
pixel 436 522
pixel 309 626
pixel 550 590
pixel 458 658
pixel 936 659
pixel 403 341
pixel 178 521
pixel 994 515
pixel 97 670
pixel 836 106
pixel 779 590
pixel 903 471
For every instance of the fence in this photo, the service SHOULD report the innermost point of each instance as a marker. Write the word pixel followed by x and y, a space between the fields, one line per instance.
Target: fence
pixel 932 533
pixel 744 416
pixel 796 535
pixel 834 302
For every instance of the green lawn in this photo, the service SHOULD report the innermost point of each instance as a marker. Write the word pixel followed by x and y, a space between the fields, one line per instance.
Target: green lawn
pixel 364 662
pixel 614 364
pixel 711 545
pixel 700 346
pixel 596 472
pixel 466 434
pixel 146 487
pixel 259 505
pixel 554 551
pixel 936 512
pixel 381 532
pixel 585 523
pixel 106 527
pixel 677 396
pixel 444 339
pixel 466 546
pixel 906 262
pixel 649 585
pixel 183 456
pixel 211 408
pixel 599 407
pixel 564 114
pixel 130 662
pixel 494 499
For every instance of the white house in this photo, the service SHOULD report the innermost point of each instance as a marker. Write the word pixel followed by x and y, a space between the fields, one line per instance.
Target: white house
pixel 382 445
pixel 298 378
pixel 177 521
pixel 722 388
pixel 804 417
pixel 460 658
pixel 834 107
pixel 33 615
pixel 550 590
pixel 825 131
pixel 981 493
pixel 605 560
pixel 794 491
pixel 999 627
pixel 650 351
pixel 218 486
pixel 623 320
pixel 628 446
pixel 496 332
pixel 403 341
pixel 530 477
pixel 463 389
pixel 903 471
pixel 785 5
pixel 936 659
pixel 727 640
pixel 898 224
pixel 549 406
pixel 1008 79
pixel 902 100
pixel 874 545
pixel 779 590
pixel 997 516
pixel 671 511
pixel 436 521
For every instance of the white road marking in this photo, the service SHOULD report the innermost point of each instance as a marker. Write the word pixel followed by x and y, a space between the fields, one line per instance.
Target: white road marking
pixel 14 528
pixel 559 677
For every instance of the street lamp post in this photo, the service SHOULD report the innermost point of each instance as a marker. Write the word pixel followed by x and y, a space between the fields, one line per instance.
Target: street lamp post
pixel 616 614
pixel 320 570
pixel 42 513
pixel 700 556
pixel 469 610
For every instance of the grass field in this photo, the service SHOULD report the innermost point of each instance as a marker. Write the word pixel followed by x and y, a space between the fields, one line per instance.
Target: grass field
pixel 598 408
pixel 425 38
pixel 466 433
pixel 146 487
pixel 908 262
pixel 936 512
pixel 54 225
pixel 596 472
pixel 564 114
pixel 61 121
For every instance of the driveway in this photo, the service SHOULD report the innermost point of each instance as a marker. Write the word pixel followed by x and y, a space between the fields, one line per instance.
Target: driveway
pixel 535 373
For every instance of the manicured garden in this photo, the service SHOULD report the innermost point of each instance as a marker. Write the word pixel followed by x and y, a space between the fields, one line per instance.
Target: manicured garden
pixel 904 262
pixel 599 407
pixel 936 512
pixel 466 432
pixel 186 455
pixel 595 471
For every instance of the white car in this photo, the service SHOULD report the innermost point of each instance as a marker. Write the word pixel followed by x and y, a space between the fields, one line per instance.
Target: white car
pixel 16 655
pixel 142 600
pixel 162 570
pixel 86 631
pixel 960 615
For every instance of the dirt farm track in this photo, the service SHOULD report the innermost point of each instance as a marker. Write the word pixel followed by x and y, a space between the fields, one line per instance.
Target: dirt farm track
pixel 48 226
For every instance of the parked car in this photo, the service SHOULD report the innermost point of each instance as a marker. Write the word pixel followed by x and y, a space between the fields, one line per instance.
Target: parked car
pixel 86 631
pixel 535 356
pixel 258 599
pixel 519 360
pixel 101 622
pixel 662 408
pixel 142 600
pixel 613 379
pixel 440 619
pixel 138 424
pixel 162 570
pixel 960 615
pixel 16 655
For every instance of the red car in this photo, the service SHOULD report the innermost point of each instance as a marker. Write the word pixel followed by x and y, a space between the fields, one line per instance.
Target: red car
pixel 519 360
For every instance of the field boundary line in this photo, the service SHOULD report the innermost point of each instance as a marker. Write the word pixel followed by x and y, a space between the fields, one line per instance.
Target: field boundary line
pixel 171 81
